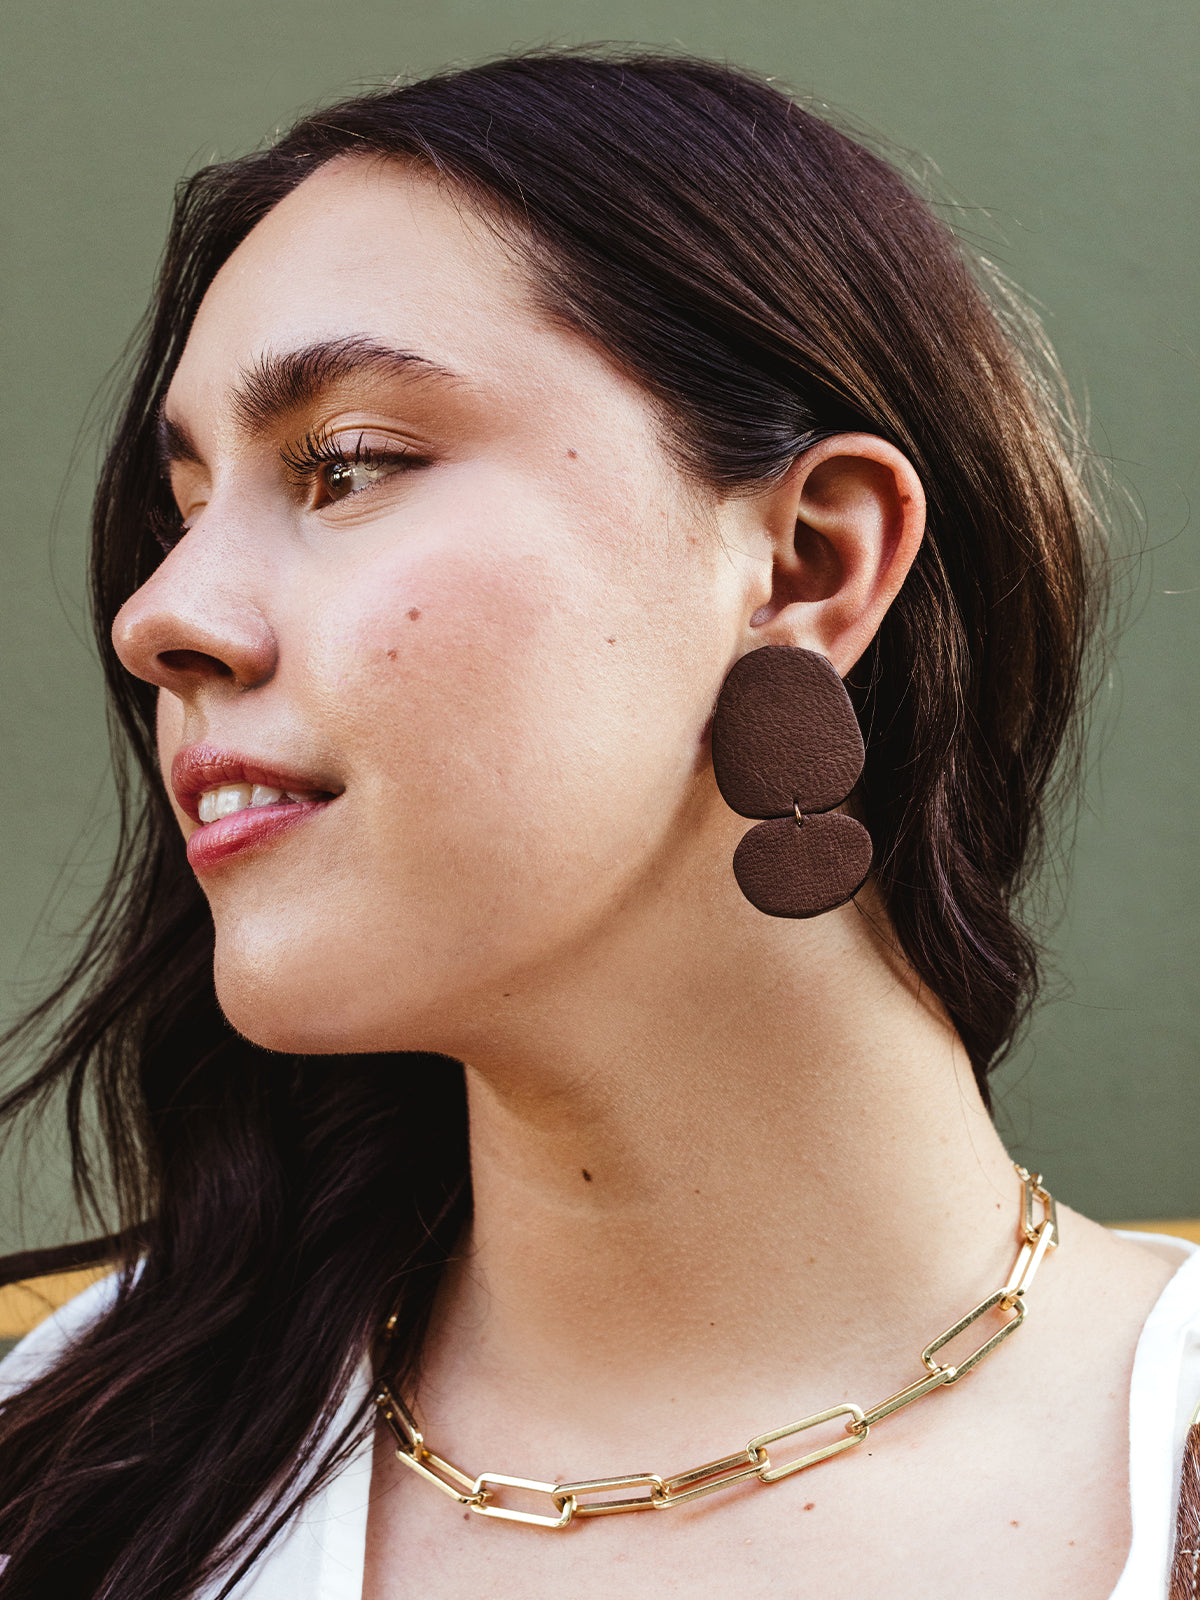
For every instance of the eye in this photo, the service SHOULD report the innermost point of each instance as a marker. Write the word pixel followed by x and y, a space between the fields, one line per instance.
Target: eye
pixel 344 478
pixel 335 469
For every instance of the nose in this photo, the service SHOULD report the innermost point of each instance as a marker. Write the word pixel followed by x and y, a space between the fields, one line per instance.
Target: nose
pixel 191 625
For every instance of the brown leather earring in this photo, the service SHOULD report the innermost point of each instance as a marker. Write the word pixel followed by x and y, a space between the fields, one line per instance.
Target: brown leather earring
pixel 786 746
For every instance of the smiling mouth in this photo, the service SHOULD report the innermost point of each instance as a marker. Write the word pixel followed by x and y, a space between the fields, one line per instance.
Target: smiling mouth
pixel 240 803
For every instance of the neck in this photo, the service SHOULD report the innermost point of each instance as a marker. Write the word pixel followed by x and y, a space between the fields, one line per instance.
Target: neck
pixel 775 1161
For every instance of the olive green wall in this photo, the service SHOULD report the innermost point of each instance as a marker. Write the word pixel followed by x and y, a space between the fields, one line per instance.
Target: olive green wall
pixel 1066 131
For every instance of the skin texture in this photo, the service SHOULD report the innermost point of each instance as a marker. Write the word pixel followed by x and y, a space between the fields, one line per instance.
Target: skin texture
pixel 729 1170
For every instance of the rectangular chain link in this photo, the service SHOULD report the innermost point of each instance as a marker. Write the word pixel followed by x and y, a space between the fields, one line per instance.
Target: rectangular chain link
pixel 481 1503
pixel 711 1476
pixel 606 1508
pixel 769 1474
pixel 961 1368
pixel 905 1397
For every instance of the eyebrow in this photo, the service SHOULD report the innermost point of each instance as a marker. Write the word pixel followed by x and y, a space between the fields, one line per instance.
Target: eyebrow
pixel 277 385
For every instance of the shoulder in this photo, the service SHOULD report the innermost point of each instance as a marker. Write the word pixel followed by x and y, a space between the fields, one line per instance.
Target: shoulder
pixel 1180 1297
pixel 1163 1392
pixel 1167 1360
pixel 38 1351
pixel 1177 1249
pixel 1167 1363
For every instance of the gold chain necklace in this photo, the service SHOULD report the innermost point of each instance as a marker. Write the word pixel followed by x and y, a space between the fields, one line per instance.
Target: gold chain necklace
pixel 571 1500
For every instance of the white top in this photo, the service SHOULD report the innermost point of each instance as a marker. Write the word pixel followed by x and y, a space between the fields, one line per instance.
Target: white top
pixel 320 1555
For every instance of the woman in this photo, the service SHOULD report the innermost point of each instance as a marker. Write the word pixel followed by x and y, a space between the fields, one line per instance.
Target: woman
pixel 483 428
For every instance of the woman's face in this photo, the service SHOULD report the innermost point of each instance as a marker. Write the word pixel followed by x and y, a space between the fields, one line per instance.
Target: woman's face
pixel 441 582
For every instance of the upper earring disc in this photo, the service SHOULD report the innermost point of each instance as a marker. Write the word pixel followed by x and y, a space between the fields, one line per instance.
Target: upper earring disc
pixel 785 734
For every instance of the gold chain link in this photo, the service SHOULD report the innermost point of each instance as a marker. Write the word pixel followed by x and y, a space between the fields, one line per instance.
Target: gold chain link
pixel 571 1500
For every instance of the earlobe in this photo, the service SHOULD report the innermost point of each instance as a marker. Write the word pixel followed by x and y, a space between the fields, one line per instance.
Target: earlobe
pixel 845 527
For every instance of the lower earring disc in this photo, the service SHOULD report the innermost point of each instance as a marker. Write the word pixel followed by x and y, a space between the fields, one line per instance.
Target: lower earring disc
pixel 790 871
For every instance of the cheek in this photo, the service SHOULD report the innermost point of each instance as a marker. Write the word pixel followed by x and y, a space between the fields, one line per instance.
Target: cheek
pixel 505 712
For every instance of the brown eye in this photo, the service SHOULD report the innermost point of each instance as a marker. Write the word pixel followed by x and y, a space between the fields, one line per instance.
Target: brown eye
pixel 344 478
pixel 334 469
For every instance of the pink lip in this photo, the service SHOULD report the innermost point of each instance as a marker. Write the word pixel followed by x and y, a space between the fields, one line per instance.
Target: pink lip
pixel 201 767
pixel 217 841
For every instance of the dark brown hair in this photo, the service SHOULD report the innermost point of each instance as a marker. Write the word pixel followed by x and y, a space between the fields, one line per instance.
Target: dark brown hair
pixel 770 281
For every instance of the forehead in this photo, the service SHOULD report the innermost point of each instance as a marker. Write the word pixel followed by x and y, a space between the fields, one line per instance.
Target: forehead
pixel 373 249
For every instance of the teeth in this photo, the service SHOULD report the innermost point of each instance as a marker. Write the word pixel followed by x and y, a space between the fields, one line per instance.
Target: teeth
pixel 232 797
pixel 223 802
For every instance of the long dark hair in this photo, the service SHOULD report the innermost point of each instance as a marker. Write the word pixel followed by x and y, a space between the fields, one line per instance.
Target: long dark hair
pixel 770 281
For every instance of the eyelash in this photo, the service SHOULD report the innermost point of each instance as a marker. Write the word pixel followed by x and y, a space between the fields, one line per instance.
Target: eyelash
pixel 317 449
pixel 304 461
pixel 167 527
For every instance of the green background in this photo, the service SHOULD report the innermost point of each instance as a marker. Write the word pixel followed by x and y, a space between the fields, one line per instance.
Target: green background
pixel 1064 134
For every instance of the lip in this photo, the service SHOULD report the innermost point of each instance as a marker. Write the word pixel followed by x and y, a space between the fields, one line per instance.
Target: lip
pixel 200 767
pixel 214 842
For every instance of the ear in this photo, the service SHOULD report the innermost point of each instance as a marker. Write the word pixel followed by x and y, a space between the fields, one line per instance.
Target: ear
pixel 842 529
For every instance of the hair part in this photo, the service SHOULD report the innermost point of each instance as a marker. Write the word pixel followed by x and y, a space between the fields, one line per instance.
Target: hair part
pixel 770 282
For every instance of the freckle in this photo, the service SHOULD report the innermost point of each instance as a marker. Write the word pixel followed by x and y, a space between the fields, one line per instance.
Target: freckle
pixel 811 1506
pixel 1014 1524
pixel 610 641
pixel 587 1177
pixel 573 454
pixel 414 613
pixel 391 655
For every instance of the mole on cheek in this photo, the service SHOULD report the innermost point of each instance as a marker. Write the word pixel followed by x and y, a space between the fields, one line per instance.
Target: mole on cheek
pixel 574 454
pixel 414 613
pixel 391 655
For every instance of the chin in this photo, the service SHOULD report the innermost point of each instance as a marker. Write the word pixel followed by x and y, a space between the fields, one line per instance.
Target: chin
pixel 270 1022
pixel 283 1034
pixel 299 1007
